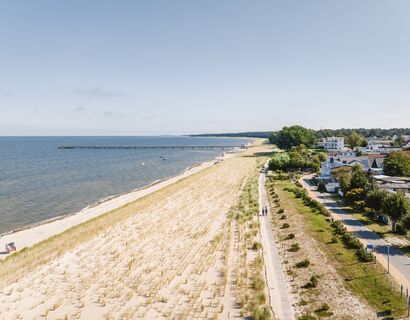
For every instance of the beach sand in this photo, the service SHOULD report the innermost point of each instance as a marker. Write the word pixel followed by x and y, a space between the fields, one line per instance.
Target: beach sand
pixel 27 237
pixel 160 256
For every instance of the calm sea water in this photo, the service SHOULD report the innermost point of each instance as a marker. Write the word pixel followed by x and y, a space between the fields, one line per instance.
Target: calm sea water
pixel 38 181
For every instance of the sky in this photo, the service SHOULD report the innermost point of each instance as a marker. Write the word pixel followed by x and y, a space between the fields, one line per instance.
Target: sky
pixel 151 67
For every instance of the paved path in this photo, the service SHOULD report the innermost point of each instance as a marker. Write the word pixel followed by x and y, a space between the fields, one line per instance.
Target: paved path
pixel 279 291
pixel 399 262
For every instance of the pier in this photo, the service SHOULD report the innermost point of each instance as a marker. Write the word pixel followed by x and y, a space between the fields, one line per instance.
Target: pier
pixel 153 147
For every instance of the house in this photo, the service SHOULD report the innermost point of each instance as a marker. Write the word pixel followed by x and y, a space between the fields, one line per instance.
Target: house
pixel 372 164
pixel 381 145
pixel 327 167
pixel 332 143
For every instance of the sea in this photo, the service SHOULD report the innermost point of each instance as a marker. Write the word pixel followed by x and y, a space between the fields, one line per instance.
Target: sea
pixel 39 181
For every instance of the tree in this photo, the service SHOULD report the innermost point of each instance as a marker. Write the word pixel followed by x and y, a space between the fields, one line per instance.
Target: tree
pixel 395 206
pixel 279 161
pixel 293 136
pixel 375 198
pixel 397 164
pixel 398 142
pixel 296 160
pixel 355 194
pixel 343 175
pixel 354 140
pixel 358 178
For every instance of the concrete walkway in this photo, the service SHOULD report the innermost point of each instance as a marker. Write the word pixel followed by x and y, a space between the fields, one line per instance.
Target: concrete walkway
pixel 399 263
pixel 279 292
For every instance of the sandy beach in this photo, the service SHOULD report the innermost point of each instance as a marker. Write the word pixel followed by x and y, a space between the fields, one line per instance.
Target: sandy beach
pixel 27 237
pixel 159 253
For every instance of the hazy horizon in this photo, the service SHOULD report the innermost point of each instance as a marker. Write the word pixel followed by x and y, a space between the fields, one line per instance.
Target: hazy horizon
pixel 82 68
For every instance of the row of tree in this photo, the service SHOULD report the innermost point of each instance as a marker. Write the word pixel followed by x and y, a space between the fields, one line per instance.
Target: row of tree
pixel 363 132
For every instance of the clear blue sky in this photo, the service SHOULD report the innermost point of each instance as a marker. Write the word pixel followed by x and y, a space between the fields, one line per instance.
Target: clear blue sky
pixel 177 67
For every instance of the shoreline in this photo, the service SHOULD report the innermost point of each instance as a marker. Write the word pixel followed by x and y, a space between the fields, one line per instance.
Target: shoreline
pixel 31 234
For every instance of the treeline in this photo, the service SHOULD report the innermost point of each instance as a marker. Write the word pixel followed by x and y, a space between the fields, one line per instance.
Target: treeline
pixel 294 136
pixel 363 132
pixel 316 134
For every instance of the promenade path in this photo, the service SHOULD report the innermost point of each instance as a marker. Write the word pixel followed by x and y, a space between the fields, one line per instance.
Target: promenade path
pixel 399 267
pixel 279 291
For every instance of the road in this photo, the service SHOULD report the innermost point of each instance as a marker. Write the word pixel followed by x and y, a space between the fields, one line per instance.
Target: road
pixel 399 262
pixel 279 292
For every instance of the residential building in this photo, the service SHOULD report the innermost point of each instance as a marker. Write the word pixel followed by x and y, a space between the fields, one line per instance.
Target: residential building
pixel 332 143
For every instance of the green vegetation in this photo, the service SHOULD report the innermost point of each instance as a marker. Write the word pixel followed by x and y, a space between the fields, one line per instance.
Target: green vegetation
pixel 363 132
pixel 355 140
pixel 312 282
pixel 365 196
pixel 294 247
pixel 397 164
pixel 250 280
pixel 261 313
pixel 363 278
pixel 323 310
pixel 303 264
pixel 293 136
pixel 297 158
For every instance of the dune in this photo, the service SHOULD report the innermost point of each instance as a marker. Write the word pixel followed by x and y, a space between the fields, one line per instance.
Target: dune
pixel 161 255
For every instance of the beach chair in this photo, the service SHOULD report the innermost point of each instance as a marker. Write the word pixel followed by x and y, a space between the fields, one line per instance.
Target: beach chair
pixel 10 247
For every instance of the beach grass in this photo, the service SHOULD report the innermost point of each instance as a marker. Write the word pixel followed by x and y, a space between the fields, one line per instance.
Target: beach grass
pixel 26 260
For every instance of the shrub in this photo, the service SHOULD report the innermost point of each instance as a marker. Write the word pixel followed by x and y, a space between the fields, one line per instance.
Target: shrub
pixel 285 226
pixel 323 310
pixel 306 317
pixel 312 282
pixel 303 302
pixel 260 298
pixel 258 262
pixel 334 240
pixel 281 210
pixel 256 245
pixel 294 247
pixel 303 264
pixel 290 236
pixel 282 217
pixel 258 282
pixel 261 313
pixel 364 256
pixel 321 186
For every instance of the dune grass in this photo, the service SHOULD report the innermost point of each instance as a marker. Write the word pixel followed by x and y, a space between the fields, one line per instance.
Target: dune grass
pixel 22 262
pixel 28 259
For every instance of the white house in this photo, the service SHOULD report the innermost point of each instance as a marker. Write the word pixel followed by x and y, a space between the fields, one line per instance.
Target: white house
pixel 328 166
pixel 332 143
